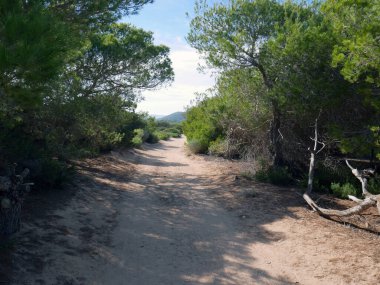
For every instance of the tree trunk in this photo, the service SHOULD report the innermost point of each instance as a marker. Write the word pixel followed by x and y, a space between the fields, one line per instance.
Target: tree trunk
pixel 276 137
pixel 12 191
pixel 275 134
pixel 313 154
pixel 311 173
pixel 10 220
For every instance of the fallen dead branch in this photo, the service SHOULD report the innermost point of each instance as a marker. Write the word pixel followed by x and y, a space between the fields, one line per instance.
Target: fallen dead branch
pixel 369 200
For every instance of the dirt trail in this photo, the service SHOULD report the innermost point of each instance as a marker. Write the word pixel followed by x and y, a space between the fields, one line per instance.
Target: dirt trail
pixel 157 216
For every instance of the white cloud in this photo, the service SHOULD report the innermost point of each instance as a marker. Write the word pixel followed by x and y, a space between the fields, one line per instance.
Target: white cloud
pixel 187 82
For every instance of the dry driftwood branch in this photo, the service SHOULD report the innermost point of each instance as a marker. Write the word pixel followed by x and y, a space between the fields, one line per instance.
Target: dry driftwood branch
pixel 362 175
pixel 366 204
pixel 353 198
pixel 360 160
pixel 370 200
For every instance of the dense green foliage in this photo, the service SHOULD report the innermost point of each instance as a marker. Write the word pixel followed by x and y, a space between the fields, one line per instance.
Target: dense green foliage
pixel 70 78
pixel 344 190
pixel 356 23
pixel 283 65
pixel 152 131
pixel 275 175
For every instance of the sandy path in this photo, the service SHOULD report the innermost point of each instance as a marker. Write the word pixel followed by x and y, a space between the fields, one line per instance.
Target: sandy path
pixel 157 216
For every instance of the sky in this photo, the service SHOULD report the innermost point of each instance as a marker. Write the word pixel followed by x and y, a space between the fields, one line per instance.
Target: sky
pixel 168 21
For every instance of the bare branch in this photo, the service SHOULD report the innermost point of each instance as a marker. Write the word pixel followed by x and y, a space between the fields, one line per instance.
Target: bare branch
pixel 364 205
pixel 361 160
pixel 323 146
pixel 282 137
pixel 369 201
pixel 349 165
pixel 353 198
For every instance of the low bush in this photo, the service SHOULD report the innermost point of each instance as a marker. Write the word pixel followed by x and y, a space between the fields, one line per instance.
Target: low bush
pixel 174 132
pixel 343 190
pixel 158 130
pixel 196 146
pixel 218 147
pixel 137 141
pixel 200 127
pixel 53 173
pixel 163 135
pixel 152 138
pixel 325 175
pixel 138 138
pixel 262 176
pixel 275 175
pixel 175 135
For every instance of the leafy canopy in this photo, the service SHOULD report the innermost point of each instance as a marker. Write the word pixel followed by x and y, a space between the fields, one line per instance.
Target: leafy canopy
pixel 357 25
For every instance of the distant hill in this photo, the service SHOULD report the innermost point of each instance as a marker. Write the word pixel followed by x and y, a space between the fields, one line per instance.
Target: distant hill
pixel 157 117
pixel 176 117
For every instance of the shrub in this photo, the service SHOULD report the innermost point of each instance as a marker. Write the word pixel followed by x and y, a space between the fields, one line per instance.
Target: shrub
pixel 110 140
pixel 196 146
pixel 138 138
pixel 201 126
pixel 280 176
pixel 163 135
pixel 218 147
pixel 137 141
pixel 262 175
pixel 275 175
pixel 343 190
pixel 53 173
pixel 317 184
pixel 152 138
pixel 174 132
pixel 325 175
pixel 174 135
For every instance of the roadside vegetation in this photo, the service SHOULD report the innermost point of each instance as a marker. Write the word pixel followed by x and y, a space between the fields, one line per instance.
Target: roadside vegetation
pixel 70 77
pixel 295 80
pixel 70 80
pixel 297 93
pixel 152 131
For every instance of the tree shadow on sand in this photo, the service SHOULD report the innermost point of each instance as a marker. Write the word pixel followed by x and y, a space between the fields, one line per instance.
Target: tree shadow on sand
pixel 148 229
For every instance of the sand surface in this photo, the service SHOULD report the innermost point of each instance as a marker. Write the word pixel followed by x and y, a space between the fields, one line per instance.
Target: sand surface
pixel 160 216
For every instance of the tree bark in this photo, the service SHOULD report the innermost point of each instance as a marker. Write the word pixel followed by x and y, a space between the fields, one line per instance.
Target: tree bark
pixel 313 154
pixel 11 196
pixel 10 220
pixel 276 144
pixel 275 134
pixel 311 173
